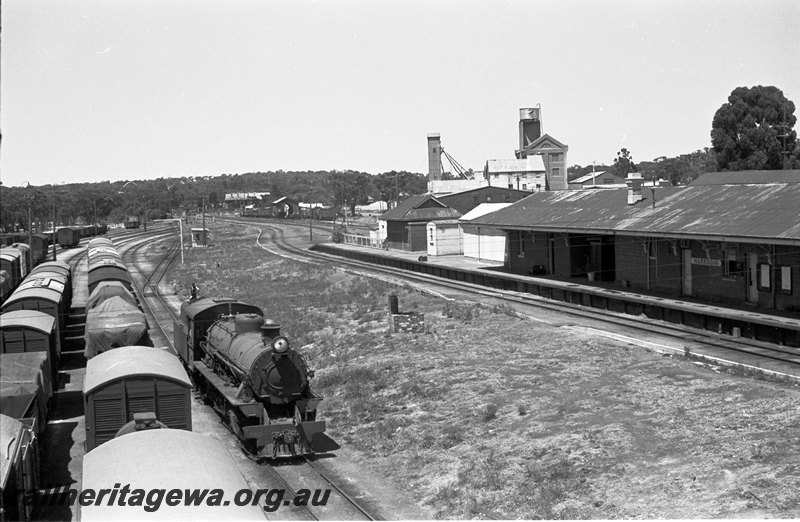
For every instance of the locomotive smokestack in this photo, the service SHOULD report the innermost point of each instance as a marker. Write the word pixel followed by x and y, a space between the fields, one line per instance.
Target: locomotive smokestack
pixel 270 329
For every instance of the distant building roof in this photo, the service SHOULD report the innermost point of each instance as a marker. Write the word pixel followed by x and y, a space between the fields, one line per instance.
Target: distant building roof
pixel 482 210
pixel 752 212
pixel 529 164
pixel 742 177
pixel 420 208
pixel 587 177
pixel 244 196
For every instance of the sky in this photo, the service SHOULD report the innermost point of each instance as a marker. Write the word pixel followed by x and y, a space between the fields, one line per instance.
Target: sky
pixel 96 90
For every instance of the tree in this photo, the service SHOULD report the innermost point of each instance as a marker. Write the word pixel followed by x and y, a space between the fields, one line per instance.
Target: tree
pixel 623 163
pixel 754 130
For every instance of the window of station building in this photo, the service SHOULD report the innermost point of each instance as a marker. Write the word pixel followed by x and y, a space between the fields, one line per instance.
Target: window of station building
pixel 475 199
pixel 521 243
pixel 732 267
pixel 764 282
pixel 784 283
pixel 511 185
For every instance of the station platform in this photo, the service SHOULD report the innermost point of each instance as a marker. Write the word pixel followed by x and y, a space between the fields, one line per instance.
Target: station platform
pixel 757 324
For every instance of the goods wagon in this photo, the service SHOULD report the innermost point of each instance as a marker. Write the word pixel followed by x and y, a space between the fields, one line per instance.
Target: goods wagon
pixel 68 237
pixel 61 268
pixel 40 246
pixel 108 270
pixel 26 387
pixel 107 289
pixel 130 380
pixel 19 473
pixel 30 331
pixel 165 459
pixel 11 261
pixel 45 294
pixel 112 324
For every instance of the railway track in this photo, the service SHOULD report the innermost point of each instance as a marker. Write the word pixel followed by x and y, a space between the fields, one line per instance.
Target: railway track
pixel 300 474
pixel 621 327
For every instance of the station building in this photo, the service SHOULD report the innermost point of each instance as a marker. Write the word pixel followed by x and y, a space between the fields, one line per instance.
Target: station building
pixel 729 237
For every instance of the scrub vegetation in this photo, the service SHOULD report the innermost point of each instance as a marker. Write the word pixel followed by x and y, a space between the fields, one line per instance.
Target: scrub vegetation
pixel 490 416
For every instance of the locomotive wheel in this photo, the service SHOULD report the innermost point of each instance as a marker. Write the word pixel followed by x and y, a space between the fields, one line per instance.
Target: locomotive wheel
pixel 236 427
pixel 234 422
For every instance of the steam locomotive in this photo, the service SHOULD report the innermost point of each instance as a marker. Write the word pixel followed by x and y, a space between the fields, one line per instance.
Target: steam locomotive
pixel 249 373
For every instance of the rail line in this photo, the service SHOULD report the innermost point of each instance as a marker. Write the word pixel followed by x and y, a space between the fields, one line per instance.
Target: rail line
pixel 347 508
pixel 602 318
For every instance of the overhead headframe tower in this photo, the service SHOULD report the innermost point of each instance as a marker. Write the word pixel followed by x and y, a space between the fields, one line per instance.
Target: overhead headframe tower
pixel 530 126
pixel 434 157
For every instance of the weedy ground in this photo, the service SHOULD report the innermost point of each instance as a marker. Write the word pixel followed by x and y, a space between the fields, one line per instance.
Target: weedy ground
pixel 489 415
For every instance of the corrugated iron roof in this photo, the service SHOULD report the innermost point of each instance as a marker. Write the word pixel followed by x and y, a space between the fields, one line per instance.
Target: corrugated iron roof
pixel 407 210
pixel 482 210
pixel 589 176
pixel 431 214
pixel 739 212
pixel 742 177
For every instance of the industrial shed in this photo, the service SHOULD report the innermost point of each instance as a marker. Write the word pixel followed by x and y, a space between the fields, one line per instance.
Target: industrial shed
pixel 405 226
pixel 130 380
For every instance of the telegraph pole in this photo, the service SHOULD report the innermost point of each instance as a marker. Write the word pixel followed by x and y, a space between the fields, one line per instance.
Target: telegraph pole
pixel 29 197
pixel 54 226
pixel 204 221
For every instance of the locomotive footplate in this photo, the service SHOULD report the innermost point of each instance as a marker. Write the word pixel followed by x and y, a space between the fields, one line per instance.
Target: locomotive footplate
pixel 287 439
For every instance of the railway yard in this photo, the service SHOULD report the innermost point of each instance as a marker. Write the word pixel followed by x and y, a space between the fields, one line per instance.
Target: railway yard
pixel 498 408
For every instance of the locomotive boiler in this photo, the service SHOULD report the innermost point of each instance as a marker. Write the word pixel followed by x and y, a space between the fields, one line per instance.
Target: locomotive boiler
pixel 252 376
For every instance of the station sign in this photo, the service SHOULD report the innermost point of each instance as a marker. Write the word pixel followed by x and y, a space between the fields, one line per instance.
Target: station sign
pixel 706 262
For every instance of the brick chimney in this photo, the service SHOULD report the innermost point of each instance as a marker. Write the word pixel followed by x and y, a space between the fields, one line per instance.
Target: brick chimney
pixel 634 182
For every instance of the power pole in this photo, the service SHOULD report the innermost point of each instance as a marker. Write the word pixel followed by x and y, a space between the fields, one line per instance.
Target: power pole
pixel 54 226
pixel 204 222
pixel 29 197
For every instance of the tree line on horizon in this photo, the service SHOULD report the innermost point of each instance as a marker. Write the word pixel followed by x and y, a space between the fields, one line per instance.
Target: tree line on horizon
pixel 753 130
